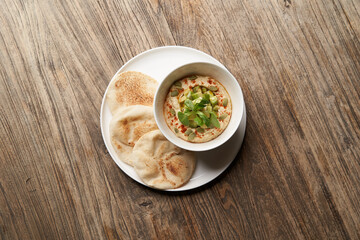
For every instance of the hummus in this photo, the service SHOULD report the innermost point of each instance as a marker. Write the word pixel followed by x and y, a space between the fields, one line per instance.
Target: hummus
pixel 197 108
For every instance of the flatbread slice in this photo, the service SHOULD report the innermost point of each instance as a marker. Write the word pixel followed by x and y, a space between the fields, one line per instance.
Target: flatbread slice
pixel 131 88
pixel 160 164
pixel 127 126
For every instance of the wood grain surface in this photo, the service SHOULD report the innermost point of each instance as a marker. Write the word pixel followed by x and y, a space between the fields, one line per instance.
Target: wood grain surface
pixel 297 175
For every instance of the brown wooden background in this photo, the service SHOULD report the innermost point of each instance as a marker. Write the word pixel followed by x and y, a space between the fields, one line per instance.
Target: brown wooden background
pixel 296 177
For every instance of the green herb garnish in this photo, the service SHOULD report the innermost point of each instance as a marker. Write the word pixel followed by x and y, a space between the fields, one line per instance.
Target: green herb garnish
pixel 203 117
pixel 198 121
pixel 199 110
pixel 183 118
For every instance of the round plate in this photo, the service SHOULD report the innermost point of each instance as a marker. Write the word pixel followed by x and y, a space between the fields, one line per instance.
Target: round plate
pixel 157 63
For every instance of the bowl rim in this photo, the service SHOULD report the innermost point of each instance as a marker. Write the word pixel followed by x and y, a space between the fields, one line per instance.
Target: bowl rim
pixel 199 147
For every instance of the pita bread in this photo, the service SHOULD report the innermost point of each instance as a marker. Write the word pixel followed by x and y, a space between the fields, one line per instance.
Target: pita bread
pixel 127 126
pixel 131 88
pixel 160 164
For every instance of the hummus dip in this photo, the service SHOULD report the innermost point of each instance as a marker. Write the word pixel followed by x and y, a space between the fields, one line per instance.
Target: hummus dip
pixel 197 108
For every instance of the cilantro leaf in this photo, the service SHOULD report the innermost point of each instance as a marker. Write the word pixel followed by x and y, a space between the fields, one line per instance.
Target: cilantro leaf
pixel 204 118
pixel 183 118
pixel 191 115
pixel 204 101
pixel 198 106
pixel 198 121
pixel 201 104
pixel 186 110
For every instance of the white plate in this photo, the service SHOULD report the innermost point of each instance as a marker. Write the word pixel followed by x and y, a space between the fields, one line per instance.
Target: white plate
pixel 157 63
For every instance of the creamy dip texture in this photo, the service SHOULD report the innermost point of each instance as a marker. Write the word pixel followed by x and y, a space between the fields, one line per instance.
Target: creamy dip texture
pixel 197 108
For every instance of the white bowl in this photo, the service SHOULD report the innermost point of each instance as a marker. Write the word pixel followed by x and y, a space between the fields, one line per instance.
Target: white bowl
pixel 207 69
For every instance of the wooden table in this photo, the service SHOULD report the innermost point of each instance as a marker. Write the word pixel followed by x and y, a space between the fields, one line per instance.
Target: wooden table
pixel 297 175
